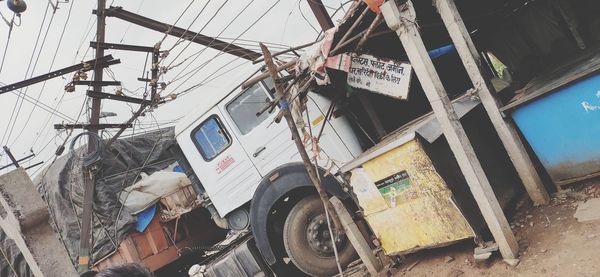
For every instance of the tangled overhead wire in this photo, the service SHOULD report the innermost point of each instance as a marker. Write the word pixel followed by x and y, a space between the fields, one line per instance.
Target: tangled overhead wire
pixel 90 158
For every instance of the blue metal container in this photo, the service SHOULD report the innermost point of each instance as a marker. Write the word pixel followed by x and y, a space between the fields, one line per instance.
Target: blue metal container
pixel 563 128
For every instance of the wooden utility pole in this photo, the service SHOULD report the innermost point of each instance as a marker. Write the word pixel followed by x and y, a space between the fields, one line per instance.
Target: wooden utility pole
pixel 482 84
pixel 98 72
pixel 285 109
pixel 402 21
pixel 88 191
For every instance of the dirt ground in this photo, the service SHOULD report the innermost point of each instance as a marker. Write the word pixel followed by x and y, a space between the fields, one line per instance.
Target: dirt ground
pixel 552 243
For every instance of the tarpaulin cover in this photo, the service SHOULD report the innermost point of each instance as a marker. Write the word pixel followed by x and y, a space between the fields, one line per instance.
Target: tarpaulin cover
pixel 12 262
pixel 61 185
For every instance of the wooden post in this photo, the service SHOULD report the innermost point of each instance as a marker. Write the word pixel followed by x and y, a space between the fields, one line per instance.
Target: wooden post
pixel 402 21
pixel 357 239
pixel 285 110
pixel 481 82
pixel 368 106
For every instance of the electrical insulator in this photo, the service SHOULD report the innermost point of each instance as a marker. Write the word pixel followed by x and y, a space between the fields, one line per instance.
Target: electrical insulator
pixel 60 150
pixel 17 6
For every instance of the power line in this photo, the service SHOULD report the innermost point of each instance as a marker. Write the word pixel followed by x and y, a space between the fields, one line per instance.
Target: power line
pixel 197 69
pixel 7 42
pixel 197 33
pixel 41 105
pixel 305 19
pixel 197 54
pixel 207 80
pixel 17 108
pixel 49 70
pixel 129 25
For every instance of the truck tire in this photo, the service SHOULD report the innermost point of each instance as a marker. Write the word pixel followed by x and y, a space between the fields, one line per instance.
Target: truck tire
pixel 308 242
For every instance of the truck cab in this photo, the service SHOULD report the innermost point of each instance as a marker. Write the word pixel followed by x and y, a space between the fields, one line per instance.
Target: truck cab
pixel 248 173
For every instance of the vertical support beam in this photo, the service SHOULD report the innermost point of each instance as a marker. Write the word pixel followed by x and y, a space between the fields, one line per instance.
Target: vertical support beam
pixel 402 20
pixel 368 106
pixel 98 72
pixel 481 82
pixel 357 239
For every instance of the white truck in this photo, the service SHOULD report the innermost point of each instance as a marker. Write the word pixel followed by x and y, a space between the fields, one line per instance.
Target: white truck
pixel 248 173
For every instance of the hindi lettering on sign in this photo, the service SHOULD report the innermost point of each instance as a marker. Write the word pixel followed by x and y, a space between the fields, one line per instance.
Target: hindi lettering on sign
pixel 381 76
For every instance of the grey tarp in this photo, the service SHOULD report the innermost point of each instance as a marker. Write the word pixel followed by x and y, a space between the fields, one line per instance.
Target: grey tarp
pixel 11 259
pixel 61 185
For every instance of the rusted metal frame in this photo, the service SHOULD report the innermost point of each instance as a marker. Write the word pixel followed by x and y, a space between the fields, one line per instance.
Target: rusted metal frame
pixel 292 49
pixel 312 173
pixel 266 75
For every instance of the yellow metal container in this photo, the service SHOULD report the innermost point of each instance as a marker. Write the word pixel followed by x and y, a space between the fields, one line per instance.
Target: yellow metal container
pixel 405 201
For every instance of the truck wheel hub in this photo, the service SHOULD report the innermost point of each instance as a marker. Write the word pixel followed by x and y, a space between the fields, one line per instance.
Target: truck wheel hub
pixel 319 238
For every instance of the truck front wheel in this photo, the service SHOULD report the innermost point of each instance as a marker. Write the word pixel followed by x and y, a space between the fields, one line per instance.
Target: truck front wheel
pixel 308 241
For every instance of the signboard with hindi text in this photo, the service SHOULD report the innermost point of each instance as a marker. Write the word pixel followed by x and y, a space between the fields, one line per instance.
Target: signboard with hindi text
pixel 381 76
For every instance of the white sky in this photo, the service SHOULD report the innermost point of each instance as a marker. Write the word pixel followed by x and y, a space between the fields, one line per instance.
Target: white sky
pixel 33 128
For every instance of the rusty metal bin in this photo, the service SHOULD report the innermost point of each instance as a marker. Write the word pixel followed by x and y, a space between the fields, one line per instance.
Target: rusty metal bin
pixel 406 202
pixel 412 192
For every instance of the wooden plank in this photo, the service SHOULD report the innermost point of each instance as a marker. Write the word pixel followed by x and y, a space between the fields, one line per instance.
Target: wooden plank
pixel 355 237
pixel 481 82
pixel 402 20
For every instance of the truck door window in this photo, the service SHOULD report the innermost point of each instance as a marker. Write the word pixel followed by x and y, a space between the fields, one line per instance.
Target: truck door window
pixel 243 108
pixel 210 138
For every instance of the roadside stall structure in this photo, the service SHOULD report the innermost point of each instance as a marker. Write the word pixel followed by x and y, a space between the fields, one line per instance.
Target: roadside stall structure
pixel 488 50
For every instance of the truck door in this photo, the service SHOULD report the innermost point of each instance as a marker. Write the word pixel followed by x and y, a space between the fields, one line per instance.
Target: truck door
pixel 222 165
pixel 268 144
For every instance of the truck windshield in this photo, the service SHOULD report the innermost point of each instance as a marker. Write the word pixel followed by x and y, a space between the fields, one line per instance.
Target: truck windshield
pixel 243 108
pixel 210 138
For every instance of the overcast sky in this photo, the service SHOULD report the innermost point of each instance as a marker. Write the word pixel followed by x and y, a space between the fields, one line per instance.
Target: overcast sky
pixel 33 127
